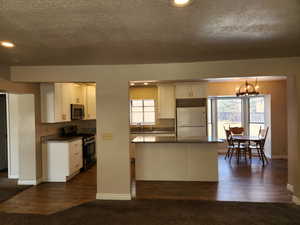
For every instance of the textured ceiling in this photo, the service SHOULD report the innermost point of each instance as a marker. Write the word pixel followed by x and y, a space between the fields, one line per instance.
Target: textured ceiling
pixel 146 31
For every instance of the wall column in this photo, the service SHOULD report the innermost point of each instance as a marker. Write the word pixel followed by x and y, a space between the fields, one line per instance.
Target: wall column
pixel 113 166
pixel 296 180
pixel 292 130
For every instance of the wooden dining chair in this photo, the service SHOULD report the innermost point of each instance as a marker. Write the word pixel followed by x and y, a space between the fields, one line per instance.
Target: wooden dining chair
pixel 237 130
pixel 239 148
pixel 260 145
pixel 230 144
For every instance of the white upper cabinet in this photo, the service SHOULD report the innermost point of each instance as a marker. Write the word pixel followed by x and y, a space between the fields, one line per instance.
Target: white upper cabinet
pixel 166 101
pixel 55 102
pixel 191 90
pixel 90 102
pixel 77 94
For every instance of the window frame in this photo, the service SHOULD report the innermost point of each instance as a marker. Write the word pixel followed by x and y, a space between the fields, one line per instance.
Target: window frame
pixel 245 113
pixel 249 111
pixel 143 112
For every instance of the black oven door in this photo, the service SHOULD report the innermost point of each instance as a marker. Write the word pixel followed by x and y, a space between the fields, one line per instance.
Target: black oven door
pixel 89 154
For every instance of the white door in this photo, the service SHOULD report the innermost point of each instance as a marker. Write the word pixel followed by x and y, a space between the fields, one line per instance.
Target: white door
pixel 191 116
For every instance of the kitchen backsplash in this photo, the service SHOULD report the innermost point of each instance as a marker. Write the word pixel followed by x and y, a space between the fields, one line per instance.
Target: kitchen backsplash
pixel 84 126
pixel 161 125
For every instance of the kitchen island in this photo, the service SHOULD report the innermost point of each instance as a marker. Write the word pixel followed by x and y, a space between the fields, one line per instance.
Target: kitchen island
pixel 176 159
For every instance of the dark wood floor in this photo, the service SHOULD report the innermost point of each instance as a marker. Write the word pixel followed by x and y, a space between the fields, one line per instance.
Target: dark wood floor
pixel 243 182
pixel 48 198
pixel 237 182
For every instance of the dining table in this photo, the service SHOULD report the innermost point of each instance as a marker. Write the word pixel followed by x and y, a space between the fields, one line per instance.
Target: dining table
pixel 248 139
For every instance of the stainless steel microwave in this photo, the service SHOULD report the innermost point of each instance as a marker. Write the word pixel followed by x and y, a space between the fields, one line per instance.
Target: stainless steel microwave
pixel 77 112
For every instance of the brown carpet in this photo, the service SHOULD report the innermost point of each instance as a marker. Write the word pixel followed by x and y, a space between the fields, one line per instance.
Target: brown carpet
pixel 165 212
pixel 9 187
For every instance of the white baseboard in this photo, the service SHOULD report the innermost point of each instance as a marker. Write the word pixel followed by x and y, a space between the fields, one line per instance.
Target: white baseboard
pixel 296 200
pixel 290 188
pixel 222 151
pixel 279 157
pixel 57 180
pixel 39 180
pixel 111 196
pixel 30 182
pixel 27 182
pixel 13 177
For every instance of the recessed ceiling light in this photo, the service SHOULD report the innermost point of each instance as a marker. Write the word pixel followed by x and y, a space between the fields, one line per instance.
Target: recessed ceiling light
pixel 7 44
pixel 146 83
pixel 132 84
pixel 181 3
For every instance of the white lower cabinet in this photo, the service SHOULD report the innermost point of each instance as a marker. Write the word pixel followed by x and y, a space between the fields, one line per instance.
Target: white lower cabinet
pixel 62 160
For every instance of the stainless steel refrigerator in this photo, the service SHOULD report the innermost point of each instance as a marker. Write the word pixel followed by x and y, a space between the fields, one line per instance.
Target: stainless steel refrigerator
pixel 191 118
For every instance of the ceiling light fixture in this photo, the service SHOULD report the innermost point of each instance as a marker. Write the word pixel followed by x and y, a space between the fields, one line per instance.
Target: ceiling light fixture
pixel 132 84
pixel 181 3
pixel 146 83
pixel 7 44
pixel 247 89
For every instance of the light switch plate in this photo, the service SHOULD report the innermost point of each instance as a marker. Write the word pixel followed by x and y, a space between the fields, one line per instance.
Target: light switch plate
pixel 107 136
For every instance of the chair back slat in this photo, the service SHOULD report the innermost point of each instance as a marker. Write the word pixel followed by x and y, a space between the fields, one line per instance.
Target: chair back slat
pixel 263 133
pixel 237 130
pixel 228 136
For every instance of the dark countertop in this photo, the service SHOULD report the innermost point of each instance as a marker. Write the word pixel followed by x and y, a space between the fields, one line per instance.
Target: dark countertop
pixel 58 138
pixel 158 139
pixel 153 132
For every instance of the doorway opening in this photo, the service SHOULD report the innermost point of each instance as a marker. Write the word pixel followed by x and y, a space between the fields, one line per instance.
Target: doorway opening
pixel 66 158
pixel 3 135
pixel 244 181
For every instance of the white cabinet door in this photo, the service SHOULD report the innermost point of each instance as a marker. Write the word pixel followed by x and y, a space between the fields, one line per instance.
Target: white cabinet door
pixel 75 156
pixel 183 91
pixel 55 102
pixel 166 102
pixel 90 102
pixel 66 101
pixel 77 94
pixel 199 90
pixel 191 90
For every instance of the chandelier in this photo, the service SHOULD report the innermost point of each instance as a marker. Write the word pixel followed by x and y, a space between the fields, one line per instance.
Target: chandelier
pixel 247 89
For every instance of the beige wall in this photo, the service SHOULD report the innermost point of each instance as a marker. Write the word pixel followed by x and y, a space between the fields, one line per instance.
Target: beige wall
pixel 53 128
pixel 277 90
pixel 296 154
pixel 4 72
pixel 113 140
pixel 292 130
pixel 112 84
